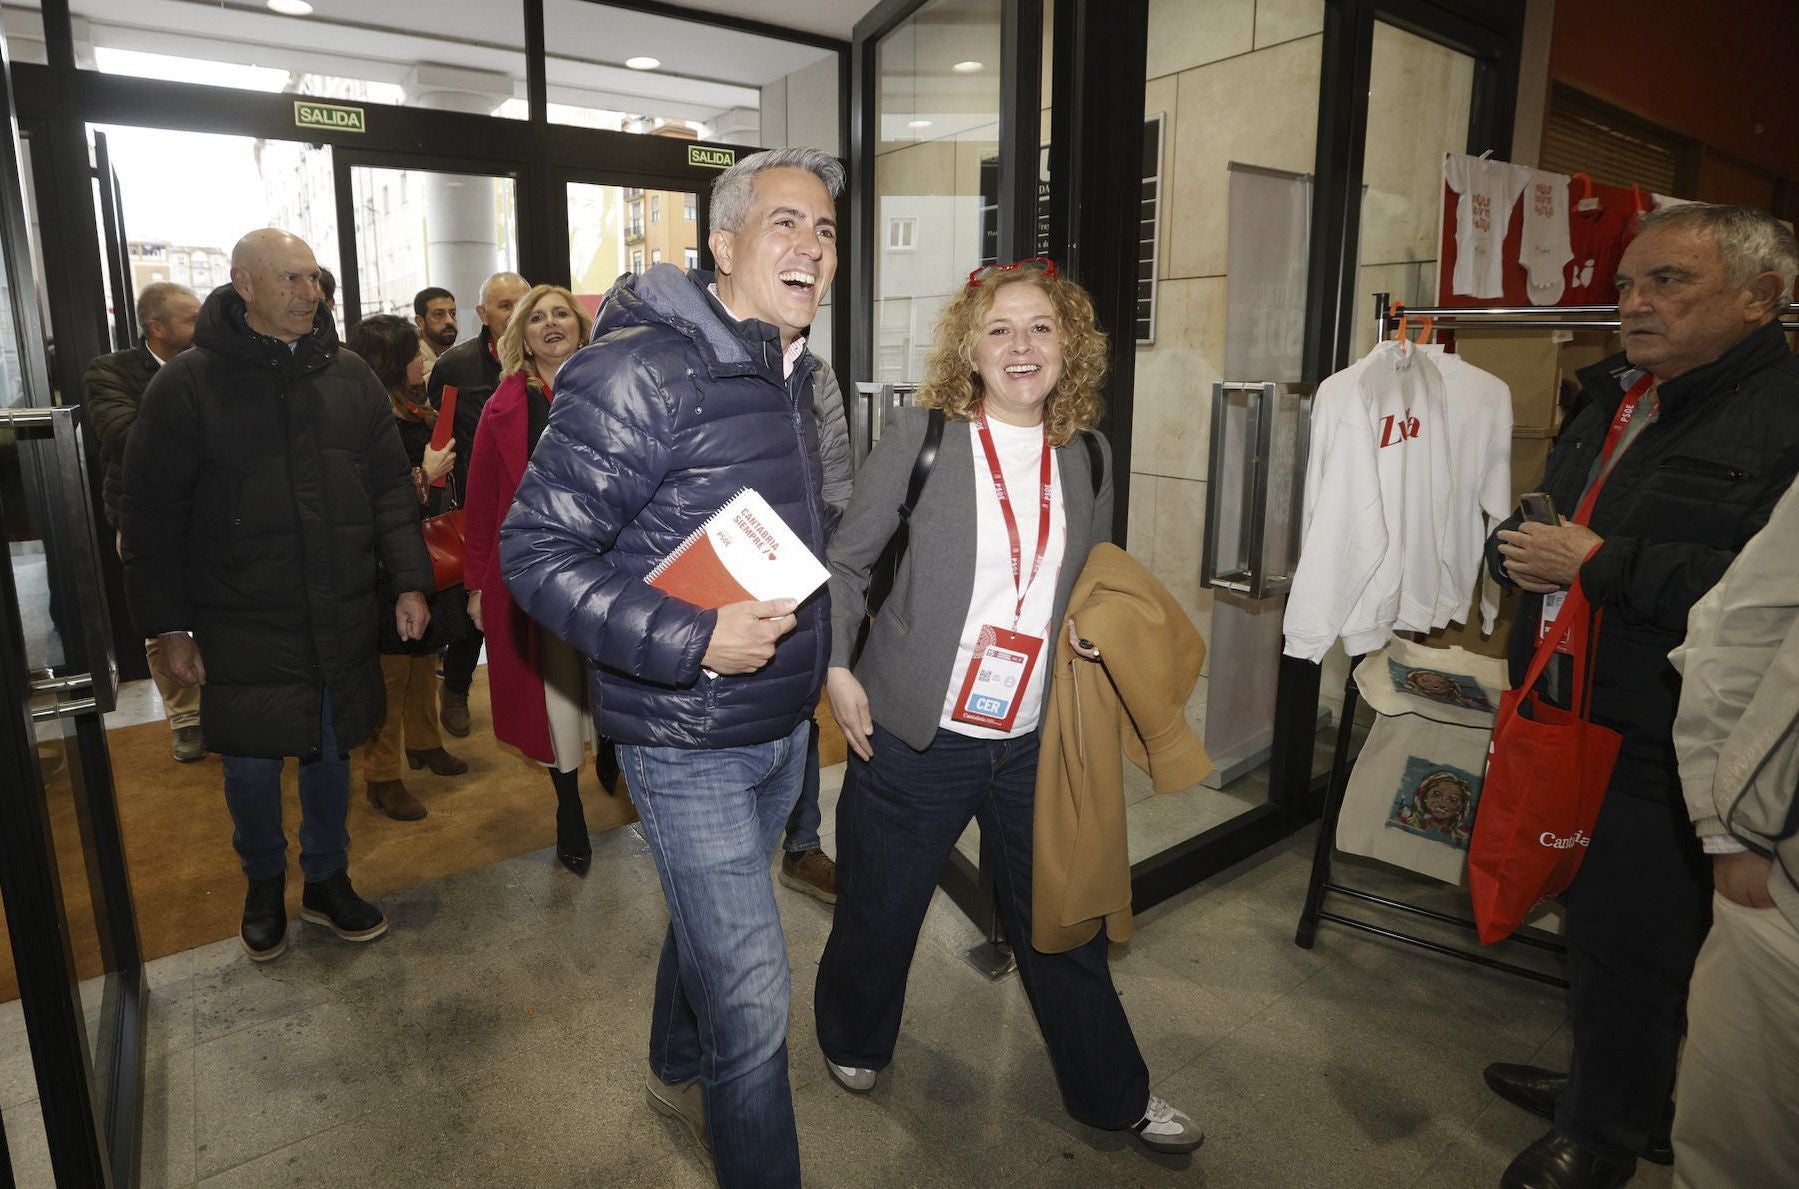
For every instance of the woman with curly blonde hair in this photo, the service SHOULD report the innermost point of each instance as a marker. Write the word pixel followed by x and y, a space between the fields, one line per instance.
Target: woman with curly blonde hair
pixel 941 710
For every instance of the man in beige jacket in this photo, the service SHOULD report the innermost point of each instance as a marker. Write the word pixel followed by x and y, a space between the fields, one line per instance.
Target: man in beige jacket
pixel 1737 735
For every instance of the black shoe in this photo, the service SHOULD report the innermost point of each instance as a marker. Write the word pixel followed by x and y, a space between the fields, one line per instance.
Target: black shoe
pixel 333 903
pixel 1557 1162
pixel 605 766
pixel 264 931
pixel 1536 1090
pixel 574 849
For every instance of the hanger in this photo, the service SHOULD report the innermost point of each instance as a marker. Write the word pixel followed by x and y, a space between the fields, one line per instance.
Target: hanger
pixel 1588 201
pixel 1406 323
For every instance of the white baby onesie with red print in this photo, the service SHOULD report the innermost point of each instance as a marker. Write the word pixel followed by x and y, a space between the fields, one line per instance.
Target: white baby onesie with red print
pixel 1487 189
pixel 1546 248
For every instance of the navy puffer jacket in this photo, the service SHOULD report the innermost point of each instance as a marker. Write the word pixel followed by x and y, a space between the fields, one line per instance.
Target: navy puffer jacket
pixel 665 417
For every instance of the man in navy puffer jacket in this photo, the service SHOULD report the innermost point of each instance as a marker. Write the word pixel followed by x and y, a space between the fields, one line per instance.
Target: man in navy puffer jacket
pixel 692 390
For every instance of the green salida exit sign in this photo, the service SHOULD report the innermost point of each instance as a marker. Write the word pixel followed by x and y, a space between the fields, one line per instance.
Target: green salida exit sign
pixel 705 157
pixel 334 116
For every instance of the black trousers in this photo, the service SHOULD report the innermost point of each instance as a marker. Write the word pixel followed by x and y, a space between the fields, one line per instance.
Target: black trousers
pixel 460 659
pixel 1637 913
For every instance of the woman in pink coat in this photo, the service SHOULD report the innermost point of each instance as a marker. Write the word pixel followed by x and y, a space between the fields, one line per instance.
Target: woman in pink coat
pixel 537 683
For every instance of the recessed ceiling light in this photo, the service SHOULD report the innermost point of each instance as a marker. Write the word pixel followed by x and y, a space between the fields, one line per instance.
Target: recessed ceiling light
pixel 643 63
pixel 291 8
pixel 918 123
pixel 966 67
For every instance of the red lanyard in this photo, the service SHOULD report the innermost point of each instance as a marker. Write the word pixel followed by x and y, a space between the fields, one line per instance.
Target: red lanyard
pixel 1021 585
pixel 1627 409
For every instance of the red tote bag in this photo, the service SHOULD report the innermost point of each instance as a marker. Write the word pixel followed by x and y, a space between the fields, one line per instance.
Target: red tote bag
pixel 1547 772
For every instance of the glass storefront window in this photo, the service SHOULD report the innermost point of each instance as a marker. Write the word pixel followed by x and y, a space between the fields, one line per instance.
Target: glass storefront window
pixel 469 58
pixel 417 228
pixel 615 68
pixel 607 235
pixel 936 131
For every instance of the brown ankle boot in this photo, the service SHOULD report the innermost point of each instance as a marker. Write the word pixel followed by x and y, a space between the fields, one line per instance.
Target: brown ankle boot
pixel 441 762
pixel 452 712
pixel 395 800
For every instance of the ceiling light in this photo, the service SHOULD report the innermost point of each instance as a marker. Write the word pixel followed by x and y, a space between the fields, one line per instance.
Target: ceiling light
pixel 643 63
pixel 291 8
pixel 961 67
pixel 918 123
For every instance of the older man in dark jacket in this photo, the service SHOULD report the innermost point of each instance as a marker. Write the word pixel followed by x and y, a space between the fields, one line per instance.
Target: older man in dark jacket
pixel 1694 434
pixel 263 477
pixel 694 390
pixel 113 388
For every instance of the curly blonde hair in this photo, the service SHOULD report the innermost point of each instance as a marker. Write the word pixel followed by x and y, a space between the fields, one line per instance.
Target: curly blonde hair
pixel 953 384
pixel 512 339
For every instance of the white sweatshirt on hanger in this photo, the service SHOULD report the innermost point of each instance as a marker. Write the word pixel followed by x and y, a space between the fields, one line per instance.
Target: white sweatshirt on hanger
pixel 1480 459
pixel 1377 513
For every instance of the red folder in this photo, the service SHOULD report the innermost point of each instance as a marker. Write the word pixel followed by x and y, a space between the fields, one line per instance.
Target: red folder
pixel 445 428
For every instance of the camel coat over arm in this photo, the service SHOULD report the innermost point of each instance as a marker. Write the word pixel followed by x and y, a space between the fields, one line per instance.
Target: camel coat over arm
pixel 1131 702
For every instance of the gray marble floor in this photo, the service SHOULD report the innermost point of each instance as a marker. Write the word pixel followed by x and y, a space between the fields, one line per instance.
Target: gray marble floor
pixel 495 1037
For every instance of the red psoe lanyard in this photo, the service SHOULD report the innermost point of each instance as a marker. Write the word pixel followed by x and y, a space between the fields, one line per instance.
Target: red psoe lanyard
pixel 1019 582
pixel 1627 411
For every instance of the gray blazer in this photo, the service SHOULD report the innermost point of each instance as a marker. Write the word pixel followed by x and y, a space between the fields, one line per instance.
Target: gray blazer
pixel 911 648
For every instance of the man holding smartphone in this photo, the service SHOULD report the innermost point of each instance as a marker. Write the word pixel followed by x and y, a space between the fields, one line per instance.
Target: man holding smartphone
pixel 1691 436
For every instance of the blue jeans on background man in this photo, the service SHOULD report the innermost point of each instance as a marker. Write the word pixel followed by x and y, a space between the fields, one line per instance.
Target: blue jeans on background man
pixel 253 794
pixel 712 819
pixel 898 818
pixel 803 823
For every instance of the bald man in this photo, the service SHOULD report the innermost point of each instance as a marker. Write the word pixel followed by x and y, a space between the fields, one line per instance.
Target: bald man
pixel 473 369
pixel 264 482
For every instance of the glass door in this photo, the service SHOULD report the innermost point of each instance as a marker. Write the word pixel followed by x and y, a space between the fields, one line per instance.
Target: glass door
pixel 615 228
pixel 75 977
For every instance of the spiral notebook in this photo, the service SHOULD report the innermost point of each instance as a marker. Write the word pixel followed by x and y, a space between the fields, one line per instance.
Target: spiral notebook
pixel 744 552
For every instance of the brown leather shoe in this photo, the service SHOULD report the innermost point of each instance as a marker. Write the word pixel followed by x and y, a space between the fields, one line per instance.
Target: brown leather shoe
pixel 452 712
pixel 441 762
pixel 811 872
pixel 394 799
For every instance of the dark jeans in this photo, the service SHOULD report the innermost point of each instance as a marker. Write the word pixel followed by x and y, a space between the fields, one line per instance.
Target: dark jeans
pixel 897 820
pixel 253 794
pixel 802 827
pixel 712 819
pixel 1637 914
pixel 460 658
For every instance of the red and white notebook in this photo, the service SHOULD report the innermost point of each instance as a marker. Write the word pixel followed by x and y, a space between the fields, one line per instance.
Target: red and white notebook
pixel 745 552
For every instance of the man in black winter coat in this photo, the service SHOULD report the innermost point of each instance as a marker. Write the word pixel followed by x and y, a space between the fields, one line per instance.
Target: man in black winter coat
pixel 1694 435
pixel 473 369
pixel 112 389
pixel 262 479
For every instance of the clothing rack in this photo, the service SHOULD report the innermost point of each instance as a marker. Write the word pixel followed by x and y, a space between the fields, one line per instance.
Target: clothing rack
pixel 1321 885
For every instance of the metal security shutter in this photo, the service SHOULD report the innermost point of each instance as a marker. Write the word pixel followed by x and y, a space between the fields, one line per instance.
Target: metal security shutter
pixel 1584 135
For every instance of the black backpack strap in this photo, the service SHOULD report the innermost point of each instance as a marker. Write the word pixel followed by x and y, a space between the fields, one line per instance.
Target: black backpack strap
pixel 886 569
pixel 1096 461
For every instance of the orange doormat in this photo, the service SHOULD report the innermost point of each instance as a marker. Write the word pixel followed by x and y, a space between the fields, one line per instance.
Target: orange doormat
pixel 184 875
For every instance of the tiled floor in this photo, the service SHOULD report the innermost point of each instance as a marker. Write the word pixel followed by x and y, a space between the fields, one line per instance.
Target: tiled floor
pixel 495 1037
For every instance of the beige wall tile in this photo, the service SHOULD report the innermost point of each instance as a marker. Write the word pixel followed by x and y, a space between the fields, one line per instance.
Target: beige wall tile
pixel 1171 426
pixel 811 109
pixel 1140 540
pixel 1187 33
pixel 1285 20
pixel 1257 109
pixel 1179 538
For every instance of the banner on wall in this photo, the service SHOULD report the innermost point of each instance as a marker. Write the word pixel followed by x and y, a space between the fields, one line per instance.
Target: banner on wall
pixel 1516 236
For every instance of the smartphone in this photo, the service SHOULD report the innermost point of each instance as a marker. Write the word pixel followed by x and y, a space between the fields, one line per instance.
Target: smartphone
pixel 1538 507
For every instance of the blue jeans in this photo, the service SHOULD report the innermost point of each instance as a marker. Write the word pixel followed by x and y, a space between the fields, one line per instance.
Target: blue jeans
pixel 802 827
pixel 253 794
pixel 897 820
pixel 712 819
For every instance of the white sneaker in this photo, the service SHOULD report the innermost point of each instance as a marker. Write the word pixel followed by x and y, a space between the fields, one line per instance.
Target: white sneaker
pixel 852 1078
pixel 1165 1129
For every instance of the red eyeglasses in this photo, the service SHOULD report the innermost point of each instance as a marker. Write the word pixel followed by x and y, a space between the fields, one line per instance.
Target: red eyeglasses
pixel 986 272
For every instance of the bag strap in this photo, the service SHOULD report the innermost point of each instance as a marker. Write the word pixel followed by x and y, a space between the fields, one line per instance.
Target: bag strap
pixel 921 471
pixel 1096 461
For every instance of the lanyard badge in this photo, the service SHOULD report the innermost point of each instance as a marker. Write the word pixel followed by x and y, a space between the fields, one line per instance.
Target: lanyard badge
pixel 1004 657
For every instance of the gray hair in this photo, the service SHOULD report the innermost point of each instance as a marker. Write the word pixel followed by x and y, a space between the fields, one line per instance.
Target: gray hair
pixel 735 187
pixel 153 302
pixel 490 282
pixel 1749 242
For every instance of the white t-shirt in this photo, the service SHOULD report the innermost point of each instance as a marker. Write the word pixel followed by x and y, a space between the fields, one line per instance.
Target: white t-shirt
pixel 1479 417
pixel 1377 513
pixel 1020 450
pixel 1488 189
pixel 1546 249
